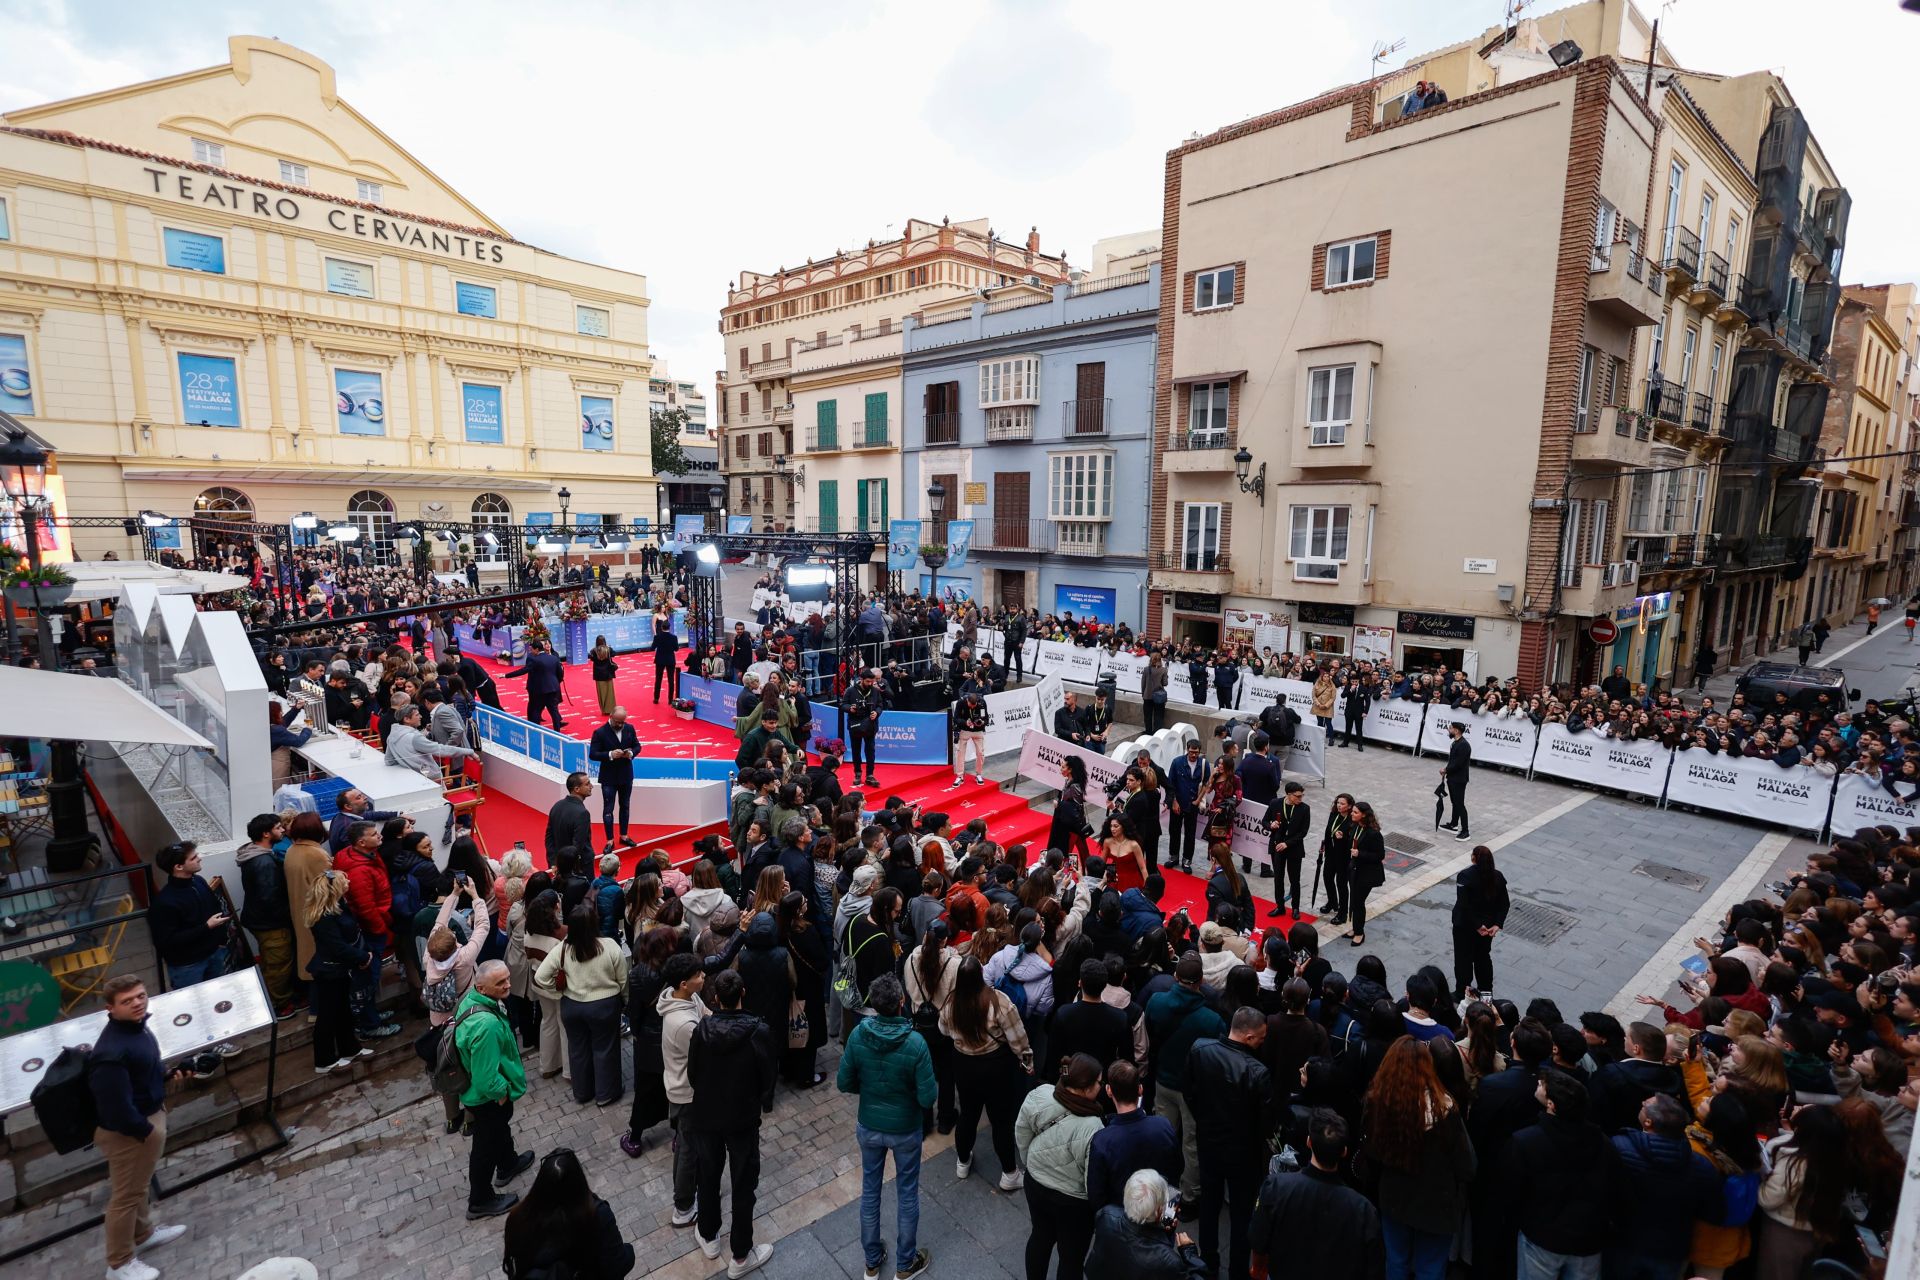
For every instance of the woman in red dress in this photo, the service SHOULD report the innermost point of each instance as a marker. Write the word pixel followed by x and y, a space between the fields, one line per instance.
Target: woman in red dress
pixel 1124 854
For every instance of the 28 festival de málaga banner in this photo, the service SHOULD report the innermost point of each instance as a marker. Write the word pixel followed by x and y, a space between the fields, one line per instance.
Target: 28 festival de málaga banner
pixel 1793 797
pixel 1494 739
pixel 1639 767
pixel 1859 801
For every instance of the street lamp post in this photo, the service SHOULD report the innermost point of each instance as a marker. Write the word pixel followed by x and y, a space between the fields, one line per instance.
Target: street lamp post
pixel 23 464
pixel 566 533
pixel 936 498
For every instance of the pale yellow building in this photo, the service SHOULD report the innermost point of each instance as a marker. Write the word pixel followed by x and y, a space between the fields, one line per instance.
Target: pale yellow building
pixel 827 333
pixel 229 292
pixel 1856 519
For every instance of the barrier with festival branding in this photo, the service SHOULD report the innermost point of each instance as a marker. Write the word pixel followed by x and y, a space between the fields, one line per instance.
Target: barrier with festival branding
pixel 1051 659
pixel 502 642
pixel 1041 755
pixel 906 737
pixel 1494 740
pixel 1623 765
pixel 1394 721
pixel 625 632
pixel 1860 801
pixel 1009 716
pixel 714 701
pixel 1126 670
pixel 1794 797
pixel 1051 695
pixel 522 737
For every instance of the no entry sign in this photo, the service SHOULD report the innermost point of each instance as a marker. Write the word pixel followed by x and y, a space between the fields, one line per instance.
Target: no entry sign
pixel 1602 631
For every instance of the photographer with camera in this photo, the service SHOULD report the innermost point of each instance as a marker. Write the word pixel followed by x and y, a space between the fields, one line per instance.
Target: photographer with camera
pixel 1138 1240
pixel 863 705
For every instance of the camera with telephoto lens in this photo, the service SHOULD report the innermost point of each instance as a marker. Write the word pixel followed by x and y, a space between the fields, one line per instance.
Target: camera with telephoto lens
pixel 1114 789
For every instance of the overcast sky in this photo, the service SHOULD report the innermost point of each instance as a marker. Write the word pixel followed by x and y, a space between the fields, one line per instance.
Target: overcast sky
pixel 689 139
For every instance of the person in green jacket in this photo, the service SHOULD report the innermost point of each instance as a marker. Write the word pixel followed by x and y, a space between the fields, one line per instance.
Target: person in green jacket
pixel 888 1065
pixel 491 1056
pixel 754 745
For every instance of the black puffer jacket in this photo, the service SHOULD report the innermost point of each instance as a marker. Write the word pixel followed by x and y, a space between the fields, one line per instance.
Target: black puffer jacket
pixel 730 1061
pixel 1558 1177
pixel 763 964
pixel 1125 1250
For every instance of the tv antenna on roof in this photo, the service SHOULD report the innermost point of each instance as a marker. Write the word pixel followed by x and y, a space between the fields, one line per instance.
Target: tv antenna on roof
pixel 1381 51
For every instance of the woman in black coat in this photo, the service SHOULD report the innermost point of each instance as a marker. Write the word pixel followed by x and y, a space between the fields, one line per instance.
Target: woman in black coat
pixel 649 1067
pixel 762 962
pixel 1479 913
pixel 1069 830
pixel 807 949
pixel 1369 869
pixel 1143 811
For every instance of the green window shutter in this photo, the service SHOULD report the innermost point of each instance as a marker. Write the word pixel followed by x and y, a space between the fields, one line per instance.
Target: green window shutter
pixel 883 498
pixel 829 506
pixel 860 504
pixel 877 418
pixel 827 423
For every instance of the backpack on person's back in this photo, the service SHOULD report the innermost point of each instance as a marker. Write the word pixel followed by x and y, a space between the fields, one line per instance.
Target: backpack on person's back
pixel 63 1101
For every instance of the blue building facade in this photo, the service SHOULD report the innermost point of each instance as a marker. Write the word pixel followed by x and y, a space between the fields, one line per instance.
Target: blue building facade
pixel 1036 418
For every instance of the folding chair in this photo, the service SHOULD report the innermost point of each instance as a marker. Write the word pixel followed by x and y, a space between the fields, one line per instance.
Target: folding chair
pixel 81 972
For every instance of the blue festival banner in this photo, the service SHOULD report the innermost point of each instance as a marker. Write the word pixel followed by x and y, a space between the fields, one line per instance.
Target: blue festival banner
pixel 166 537
pixel 209 391
pixel 481 410
pixel 596 423
pixel 1084 603
pixel 689 526
pixel 903 544
pixel 912 737
pixel 959 542
pixel 500 644
pixel 714 701
pixel 739 524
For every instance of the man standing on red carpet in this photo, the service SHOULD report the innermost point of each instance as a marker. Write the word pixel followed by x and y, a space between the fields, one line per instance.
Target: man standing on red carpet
pixel 615 744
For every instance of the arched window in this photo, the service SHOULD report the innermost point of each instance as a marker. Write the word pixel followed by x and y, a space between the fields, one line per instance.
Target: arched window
pixel 373 512
pixel 491 513
pixel 221 504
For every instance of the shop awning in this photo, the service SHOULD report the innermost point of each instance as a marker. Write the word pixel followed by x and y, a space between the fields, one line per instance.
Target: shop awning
pixel 77 708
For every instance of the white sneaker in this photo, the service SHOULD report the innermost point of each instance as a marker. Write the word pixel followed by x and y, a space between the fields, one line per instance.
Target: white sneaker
pixel 961 1168
pixel 686 1218
pixel 163 1235
pixel 709 1247
pixel 1012 1181
pixel 133 1269
pixel 752 1262
pixel 226 1048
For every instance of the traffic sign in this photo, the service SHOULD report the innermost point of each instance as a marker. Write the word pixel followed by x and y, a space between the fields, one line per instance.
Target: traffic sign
pixel 1602 631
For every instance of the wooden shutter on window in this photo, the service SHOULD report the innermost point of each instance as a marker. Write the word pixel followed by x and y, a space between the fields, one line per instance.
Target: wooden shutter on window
pixel 1012 492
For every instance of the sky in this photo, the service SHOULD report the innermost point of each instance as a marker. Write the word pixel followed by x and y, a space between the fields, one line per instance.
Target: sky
pixel 691 139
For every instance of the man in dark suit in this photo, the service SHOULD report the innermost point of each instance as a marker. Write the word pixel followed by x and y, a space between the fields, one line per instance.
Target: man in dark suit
pixel 568 825
pixel 1287 821
pixel 1184 783
pixel 478 682
pixel 544 674
pixel 1068 723
pixel 615 744
pixel 1259 775
pixel 473 576
pixel 742 656
pixel 665 645
pixel 1459 754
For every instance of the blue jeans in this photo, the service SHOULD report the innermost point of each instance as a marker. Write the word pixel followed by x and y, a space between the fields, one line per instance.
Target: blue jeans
pixel 873 1171
pixel 1542 1264
pixel 1419 1254
pixel 185 975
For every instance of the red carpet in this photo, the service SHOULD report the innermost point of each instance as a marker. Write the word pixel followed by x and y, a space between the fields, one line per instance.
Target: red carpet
pixel 1010 820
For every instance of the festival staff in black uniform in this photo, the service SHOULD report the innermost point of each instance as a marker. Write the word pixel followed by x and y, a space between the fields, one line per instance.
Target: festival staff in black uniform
pixel 970 730
pixel 863 705
pixel 1459 756
pixel 1288 820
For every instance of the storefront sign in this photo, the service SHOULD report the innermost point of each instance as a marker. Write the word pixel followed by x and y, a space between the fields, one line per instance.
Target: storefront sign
pixel 210 192
pixel 1325 615
pixel 209 391
pixel 1436 626
pixel 1195 602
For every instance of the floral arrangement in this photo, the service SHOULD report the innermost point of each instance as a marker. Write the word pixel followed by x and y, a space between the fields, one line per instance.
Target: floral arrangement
pixel 536 630
pixel 19 574
pixel 933 549
pixel 683 704
pixel 574 609
pixel 825 746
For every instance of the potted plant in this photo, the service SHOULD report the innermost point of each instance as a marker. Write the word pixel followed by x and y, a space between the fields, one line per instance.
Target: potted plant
pixel 47 586
pixel 575 609
pixel 933 554
pixel 683 707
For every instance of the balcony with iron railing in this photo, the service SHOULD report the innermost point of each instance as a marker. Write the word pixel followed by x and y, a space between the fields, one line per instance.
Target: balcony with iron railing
pixel 1711 284
pixel 1190 450
pixel 1086 417
pixel 825 439
pixel 1731 307
pixel 1682 262
pixel 1701 419
pixel 1010 423
pixel 1666 400
pixel 872 433
pixel 1192 570
pixel 942 427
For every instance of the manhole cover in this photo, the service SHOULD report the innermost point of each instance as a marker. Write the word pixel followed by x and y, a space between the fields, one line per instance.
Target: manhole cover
pixel 1401 863
pixel 1404 843
pixel 1670 875
pixel 1537 922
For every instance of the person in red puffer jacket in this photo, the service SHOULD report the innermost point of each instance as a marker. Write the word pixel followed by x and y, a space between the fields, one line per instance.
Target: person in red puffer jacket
pixel 370 901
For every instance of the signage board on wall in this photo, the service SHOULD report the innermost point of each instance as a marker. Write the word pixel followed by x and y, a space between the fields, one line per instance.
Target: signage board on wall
pixel 1096 603
pixel 1325 615
pixel 976 493
pixel 1436 626
pixel 481 409
pixel 596 423
pixel 360 405
pixel 1372 644
pixel 209 391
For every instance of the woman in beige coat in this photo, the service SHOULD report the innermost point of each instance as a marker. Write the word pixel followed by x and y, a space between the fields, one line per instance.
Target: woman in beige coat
pixel 307 860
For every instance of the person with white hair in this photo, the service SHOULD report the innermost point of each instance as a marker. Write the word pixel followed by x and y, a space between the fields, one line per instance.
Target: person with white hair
pixel 1136 1239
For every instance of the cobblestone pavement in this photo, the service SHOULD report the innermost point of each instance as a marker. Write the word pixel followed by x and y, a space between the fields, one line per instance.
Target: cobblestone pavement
pixel 371 1186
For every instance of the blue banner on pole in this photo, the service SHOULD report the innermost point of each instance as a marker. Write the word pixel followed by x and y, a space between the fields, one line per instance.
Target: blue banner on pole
pixel 903 544
pixel 739 524
pixel 689 526
pixel 959 542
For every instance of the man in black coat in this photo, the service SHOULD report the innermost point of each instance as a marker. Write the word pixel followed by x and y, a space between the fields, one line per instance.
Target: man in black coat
pixel 665 645
pixel 478 682
pixel 1230 1092
pixel 862 706
pixel 1454 775
pixel 1506 1103
pixel 730 1062
pixel 1480 907
pixel 1620 1087
pixel 544 675
pixel 1088 1025
pixel 1288 820
pixel 568 825
pixel 1323 1227
pixel 1068 723
pixel 615 744
pixel 741 656
pixel 1555 1181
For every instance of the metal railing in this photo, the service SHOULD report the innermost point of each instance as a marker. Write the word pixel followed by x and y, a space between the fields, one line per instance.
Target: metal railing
pixel 1082 288
pixel 1012 533
pixel 1684 255
pixel 1734 295
pixel 1636 261
pixel 824 439
pixel 873 433
pixel 1716 275
pixel 943 427
pixel 1085 417
pixel 1196 561
pixel 1013 422
pixel 1666 401
pixel 1183 439
pixel 1702 419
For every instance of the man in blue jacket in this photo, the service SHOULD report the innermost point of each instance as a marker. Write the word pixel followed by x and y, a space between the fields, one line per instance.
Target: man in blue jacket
pixel 1184 783
pixel 129 1089
pixel 1664 1187
pixel 544 674
pixel 1132 1140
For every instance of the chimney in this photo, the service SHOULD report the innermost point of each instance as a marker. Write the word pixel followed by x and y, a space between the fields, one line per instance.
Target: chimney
pixel 1033 244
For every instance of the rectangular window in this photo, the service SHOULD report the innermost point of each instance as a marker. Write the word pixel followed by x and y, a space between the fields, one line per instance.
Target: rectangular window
pixel 596 423
pixel 1583 419
pixel 916 276
pixel 354 279
pixel 1713 369
pixel 829 506
pixel 1706 221
pixel 1200 540
pixel 480 407
pixel 371 192
pixel 1733 240
pixel 1688 342
pixel 1570 545
pixel 16 379
pixel 1213 290
pixel 873 505
pixel 766 444
pixel 1330 404
pixel 193 251
pixel 1606 221
pixel 6 227
pixel 1319 543
pixel 1676 175
pixel 876 418
pixel 1351 262
pixel 1080 486
pixel 475 300
pixel 1207 415
pixel 1011 381
pixel 1659 344
pixel 209 391
pixel 293 173
pixel 1014 423
pixel 205 152
pixel 360 406
pixel 595 322
pixel 1597 535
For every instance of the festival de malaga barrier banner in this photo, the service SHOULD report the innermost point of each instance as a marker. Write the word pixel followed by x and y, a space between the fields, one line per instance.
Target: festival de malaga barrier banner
pixel 1494 740
pixel 1860 801
pixel 1795 797
pixel 504 642
pixel 1639 767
